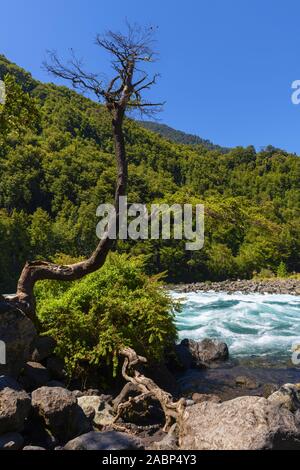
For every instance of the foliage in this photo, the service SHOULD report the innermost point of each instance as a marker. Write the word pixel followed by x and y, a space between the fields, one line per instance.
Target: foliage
pixel 180 137
pixel 114 307
pixel 60 167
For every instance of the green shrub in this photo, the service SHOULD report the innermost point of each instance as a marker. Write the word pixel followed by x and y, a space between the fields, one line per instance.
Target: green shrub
pixel 114 307
pixel 281 270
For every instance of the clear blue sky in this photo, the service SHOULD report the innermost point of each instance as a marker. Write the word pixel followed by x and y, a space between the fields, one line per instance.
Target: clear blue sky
pixel 227 65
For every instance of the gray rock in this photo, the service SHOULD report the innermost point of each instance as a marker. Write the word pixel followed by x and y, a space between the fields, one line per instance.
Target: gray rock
pixel 201 397
pixel 201 353
pixel 287 396
pixel 59 410
pixel 35 375
pixel 15 406
pixel 17 332
pixel 42 348
pixel 245 423
pixel 33 448
pixel 103 413
pixel 108 440
pixel 169 441
pixel 11 441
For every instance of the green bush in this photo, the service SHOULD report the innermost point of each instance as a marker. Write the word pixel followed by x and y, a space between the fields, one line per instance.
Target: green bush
pixel 117 306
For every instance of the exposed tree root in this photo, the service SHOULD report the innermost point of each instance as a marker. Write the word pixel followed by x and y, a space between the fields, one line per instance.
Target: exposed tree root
pixel 133 365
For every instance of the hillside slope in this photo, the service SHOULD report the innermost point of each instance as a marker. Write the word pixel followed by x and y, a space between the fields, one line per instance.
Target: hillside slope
pixel 181 137
pixel 56 172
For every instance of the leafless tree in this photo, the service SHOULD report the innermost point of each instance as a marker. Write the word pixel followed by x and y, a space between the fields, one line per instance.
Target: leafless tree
pixel 129 53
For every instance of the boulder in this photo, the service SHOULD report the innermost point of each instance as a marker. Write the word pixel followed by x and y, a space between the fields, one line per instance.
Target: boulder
pixel 203 353
pixel 245 423
pixel 35 375
pixel 17 333
pixel 11 441
pixel 42 348
pixel 59 410
pixel 15 406
pixel 287 396
pixel 94 407
pixel 201 397
pixel 168 442
pixel 33 448
pixel 35 434
pixel 108 440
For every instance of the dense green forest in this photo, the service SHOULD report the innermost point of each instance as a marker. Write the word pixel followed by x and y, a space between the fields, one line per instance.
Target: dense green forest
pixel 57 166
pixel 180 137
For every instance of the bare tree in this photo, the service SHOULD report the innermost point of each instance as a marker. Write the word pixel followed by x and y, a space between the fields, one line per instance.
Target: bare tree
pixel 124 92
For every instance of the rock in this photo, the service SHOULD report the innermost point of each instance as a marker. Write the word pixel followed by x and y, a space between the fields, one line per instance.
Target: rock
pixel 107 398
pixel 287 396
pixel 245 423
pixel 42 348
pixel 35 375
pixel 201 353
pixel 17 333
pixel 162 376
pixel 246 382
pixel 184 356
pixel 55 366
pixel 108 440
pixel 269 388
pixel 201 397
pixel 15 406
pixel 103 414
pixel 35 434
pixel 59 410
pixel 169 441
pixel 33 448
pixel 11 441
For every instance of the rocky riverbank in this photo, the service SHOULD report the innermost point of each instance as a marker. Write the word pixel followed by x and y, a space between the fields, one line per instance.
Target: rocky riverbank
pixel 270 286
pixel 39 410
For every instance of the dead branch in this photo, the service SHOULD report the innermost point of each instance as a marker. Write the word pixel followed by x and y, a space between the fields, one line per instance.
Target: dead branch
pixel 132 372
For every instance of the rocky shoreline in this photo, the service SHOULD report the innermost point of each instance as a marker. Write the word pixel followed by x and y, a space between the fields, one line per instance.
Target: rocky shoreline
pixel 40 410
pixel 271 286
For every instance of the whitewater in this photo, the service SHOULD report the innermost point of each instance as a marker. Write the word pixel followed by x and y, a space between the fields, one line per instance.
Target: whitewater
pixel 251 324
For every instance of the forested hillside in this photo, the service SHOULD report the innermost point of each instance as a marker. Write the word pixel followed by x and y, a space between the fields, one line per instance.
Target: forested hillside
pixel 57 166
pixel 180 137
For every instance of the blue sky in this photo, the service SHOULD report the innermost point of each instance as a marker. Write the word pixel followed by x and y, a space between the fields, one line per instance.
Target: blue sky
pixel 227 65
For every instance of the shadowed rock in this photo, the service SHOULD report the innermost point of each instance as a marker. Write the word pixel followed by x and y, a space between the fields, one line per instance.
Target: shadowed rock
pixel 17 333
pixel 58 409
pixel 15 406
pixel 108 440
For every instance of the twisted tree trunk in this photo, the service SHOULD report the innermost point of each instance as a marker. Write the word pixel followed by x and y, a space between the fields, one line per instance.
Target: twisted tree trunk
pixel 133 365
